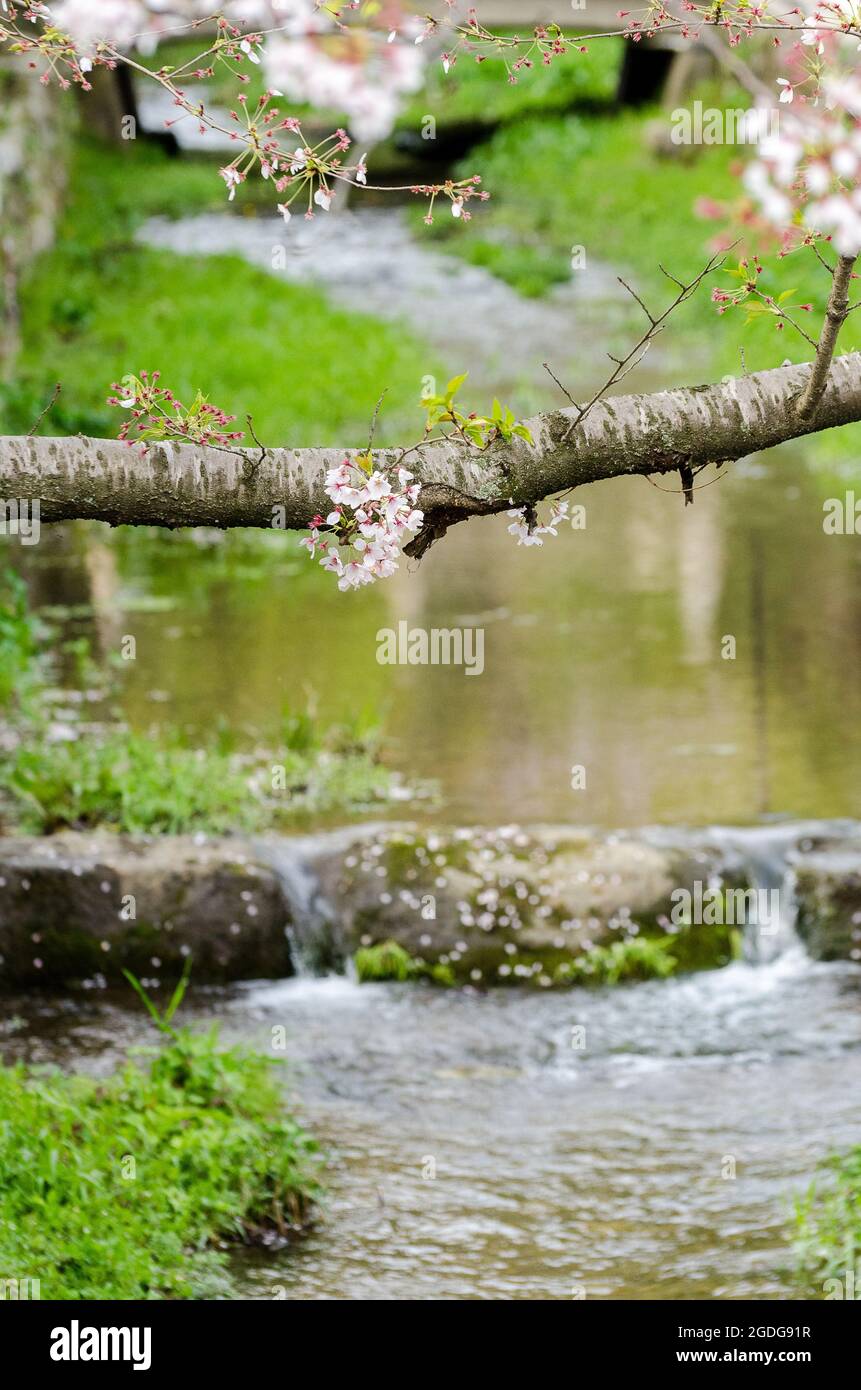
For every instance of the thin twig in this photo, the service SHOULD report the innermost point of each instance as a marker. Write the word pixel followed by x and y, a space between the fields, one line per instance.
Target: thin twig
pixel 625 364
pixel 562 388
pixel 646 311
pixel 819 256
pixel 680 491
pixel 52 402
pixel 250 470
pixel 375 417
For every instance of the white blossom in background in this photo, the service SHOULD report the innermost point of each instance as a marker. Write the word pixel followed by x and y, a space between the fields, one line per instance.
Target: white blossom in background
pixel 295 17
pixel 365 75
pixel 811 165
pixel 366 84
pixel 125 24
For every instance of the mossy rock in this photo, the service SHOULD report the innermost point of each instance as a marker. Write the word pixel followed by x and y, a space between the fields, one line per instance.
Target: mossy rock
pixel 77 906
pixel 828 897
pixel 512 906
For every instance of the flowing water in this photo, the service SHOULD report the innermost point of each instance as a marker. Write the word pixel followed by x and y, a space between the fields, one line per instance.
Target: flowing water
pixel 479 1152
pixel 637 1142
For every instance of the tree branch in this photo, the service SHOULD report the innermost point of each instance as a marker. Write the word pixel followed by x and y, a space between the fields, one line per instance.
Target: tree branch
pixel 189 485
pixel 835 316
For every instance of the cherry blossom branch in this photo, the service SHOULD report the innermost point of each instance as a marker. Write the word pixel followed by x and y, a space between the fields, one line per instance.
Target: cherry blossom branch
pixel 175 485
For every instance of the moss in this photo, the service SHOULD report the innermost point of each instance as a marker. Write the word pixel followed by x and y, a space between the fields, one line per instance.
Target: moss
pixel 404 853
pixel 69 954
pixel 389 961
pixel 828 906
pixel 140 940
pixel 705 948
pixel 638 958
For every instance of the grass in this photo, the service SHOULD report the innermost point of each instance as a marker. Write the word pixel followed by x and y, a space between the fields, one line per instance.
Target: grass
pixel 133 1187
pixel 638 958
pixel 19 644
pixel 98 306
pixel 388 960
pixel 131 782
pixel 144 783
pixel 485 94
pixel 154 782
pixel 828 1226
pixel 593 181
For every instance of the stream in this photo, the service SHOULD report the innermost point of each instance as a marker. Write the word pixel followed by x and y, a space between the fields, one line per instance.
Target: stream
pixel 482 1148
pixel 477 1152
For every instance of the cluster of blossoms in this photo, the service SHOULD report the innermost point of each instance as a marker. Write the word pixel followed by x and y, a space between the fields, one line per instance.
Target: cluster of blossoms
pixel 830 18
pixel 755 300
pixel 307 52
pixel 526 528
pixel 156 413
pixel 303 171
pixel 458 193
pixel 310 173
pixel 809 167
pixel 371 517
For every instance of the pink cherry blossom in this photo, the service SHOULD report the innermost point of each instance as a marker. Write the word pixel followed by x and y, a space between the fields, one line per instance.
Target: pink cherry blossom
pixel 372 516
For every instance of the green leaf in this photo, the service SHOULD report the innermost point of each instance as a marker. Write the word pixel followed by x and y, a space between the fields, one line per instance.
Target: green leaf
pixel 145 999
pixel 179 993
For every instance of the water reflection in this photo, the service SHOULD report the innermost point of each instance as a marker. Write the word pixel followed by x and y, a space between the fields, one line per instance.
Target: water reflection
pixel 602 649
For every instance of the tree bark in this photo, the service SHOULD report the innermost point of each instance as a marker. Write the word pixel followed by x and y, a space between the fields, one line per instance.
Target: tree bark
pixel 835 317
pixel 186 485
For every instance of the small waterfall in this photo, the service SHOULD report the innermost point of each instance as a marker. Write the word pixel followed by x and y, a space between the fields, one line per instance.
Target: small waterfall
pixel 762 854
pixel 313 932
pixel 762 859
pixel 311 918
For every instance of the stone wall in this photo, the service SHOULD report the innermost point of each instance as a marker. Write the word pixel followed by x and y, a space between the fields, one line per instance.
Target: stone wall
pixel 34 131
